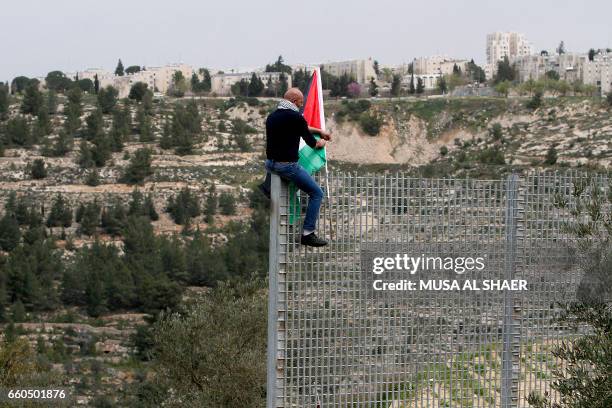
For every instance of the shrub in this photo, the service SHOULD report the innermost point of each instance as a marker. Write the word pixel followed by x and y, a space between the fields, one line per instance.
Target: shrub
pixel 535 102
pixel 492 156
pixel 38 170
pixel 139 167
pixel 551 156
pixel 443 151
pixel 184 206
pixel 370 123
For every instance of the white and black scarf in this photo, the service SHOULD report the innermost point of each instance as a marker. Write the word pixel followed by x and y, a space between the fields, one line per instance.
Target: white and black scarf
pixel 285 104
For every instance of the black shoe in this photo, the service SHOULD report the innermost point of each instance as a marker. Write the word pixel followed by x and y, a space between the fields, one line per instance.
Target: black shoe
pixel 312 240
pixel 264 190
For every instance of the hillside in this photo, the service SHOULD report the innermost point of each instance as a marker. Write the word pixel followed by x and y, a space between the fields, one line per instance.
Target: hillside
pixel 156 202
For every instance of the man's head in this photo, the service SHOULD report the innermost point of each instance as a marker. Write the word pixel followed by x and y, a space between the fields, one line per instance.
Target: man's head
pixel 295 96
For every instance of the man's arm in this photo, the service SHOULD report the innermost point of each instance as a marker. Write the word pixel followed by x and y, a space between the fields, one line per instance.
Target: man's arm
pixel 323 133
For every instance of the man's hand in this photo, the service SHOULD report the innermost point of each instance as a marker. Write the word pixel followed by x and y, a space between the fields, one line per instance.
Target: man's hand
pixel 320 144
pixel 325 135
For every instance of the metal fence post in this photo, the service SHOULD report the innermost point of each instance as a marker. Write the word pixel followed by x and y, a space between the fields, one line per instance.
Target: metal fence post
pixel 511 339
pixel 273 270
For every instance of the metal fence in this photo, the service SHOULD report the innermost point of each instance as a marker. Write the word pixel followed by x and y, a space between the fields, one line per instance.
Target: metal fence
pixel 334 341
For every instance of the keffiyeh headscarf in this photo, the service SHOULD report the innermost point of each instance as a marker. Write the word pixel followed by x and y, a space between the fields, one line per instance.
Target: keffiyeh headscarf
pixel 285 104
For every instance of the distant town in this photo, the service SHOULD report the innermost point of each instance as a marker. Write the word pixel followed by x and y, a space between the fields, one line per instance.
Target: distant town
pixel 512 65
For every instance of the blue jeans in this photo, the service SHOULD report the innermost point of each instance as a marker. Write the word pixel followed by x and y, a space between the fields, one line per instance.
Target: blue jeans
pixel 304 181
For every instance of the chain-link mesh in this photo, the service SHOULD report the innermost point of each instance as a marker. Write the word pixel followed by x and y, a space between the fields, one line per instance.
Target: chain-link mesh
pixel 339 343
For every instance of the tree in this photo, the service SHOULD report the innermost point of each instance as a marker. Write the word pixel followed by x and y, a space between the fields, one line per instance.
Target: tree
pixel 4 101
pixel 475 72
pixel 119 70
pixel 88 215
pixel 353 90
pixel 420 88
pixel 137 91
pixel 551 156
pixel 283 84
pixel 503 88
pixel 95 124
pixel 107 98
pixel 179 84
pixel 373 89
pixel 185 128
pixel 210 208
pixel 19 84
pixel 206 83
pixel 376 68
pixel 442 85
pixel 139 167
pixel 38 170
pixel 396 85
pixel 256 86
pixel 132 69
pixel 32 99
pixel 63 144
pixel 58 81
pixel 412 88
pixel 609 98
pixel 18 132
pixel 456 69
pixel 183 207
pixel 279 66
pixel 561 48
pixel 231 368
pixel 227 204
pixel 60 214
pixel 535 102
pixel 299 79
pixel 552 74
pixel 505 71
pixel 10 235
pixel 145 128
pixel 86 85
pixel 85 159
pixel 96 84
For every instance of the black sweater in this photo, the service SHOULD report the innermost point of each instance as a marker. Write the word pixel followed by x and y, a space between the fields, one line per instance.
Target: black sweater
pixel 284 128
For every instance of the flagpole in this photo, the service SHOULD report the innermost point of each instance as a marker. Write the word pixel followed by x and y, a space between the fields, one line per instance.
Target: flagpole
pixel 322 120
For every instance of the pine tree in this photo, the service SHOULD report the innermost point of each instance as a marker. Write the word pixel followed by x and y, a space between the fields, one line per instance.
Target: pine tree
pixel 119 71
pixel 85 158
pixel 32 99
pixel 96 84
pixel 373 91
pixel 420 86
pixel 60 214
pixel 10 235
pixel 412 89
pixel 210 208
pixel 396 85
pixel 139 167
pixel 227 204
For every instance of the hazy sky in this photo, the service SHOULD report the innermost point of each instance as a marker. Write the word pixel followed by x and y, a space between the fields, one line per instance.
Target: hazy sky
pixel 69 35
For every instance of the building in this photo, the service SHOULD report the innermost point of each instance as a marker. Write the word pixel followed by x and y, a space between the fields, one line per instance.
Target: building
pixel 158 79
pixel 500 45
pixel 568 66
pixel 361 70
pixel 599 72
pixel 438 64
pixel 221 83
pixel 430 81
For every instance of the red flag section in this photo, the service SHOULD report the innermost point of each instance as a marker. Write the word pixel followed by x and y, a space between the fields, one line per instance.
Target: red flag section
pixel 312 110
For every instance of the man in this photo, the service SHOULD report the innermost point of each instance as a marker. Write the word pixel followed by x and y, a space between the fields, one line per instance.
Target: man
pixel 284 128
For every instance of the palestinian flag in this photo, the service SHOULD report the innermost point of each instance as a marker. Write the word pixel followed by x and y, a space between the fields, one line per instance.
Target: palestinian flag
pixel 313 159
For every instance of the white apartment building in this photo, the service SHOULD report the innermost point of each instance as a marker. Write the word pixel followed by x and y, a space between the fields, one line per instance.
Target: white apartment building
pixel 221 84
pixel 362 70
pixel 158 79
pixel 505 44
pixel 569 66
pixel 599 72
pixel 430 81
pixel 437 64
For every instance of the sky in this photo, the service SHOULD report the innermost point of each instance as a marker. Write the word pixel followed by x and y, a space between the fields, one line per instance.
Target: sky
pixel 39 36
